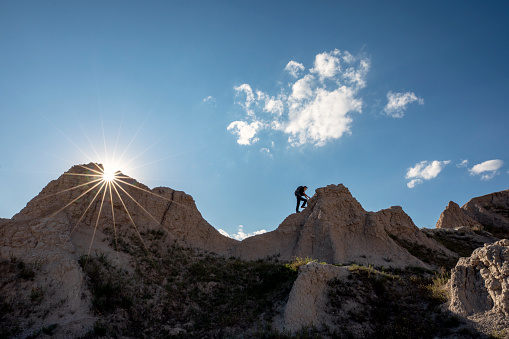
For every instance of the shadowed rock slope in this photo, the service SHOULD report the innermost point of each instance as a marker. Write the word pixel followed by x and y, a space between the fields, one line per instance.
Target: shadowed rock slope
pixel 77 254
pixel 336 229
pixel 490 212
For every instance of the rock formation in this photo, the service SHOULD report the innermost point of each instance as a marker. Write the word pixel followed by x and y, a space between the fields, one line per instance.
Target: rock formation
pixel 80 214
pixel 72 217
pixel 336 229
pixel 453 216
pixel 490 211
pixel 479 285
pixel 74 199
pixel 307 303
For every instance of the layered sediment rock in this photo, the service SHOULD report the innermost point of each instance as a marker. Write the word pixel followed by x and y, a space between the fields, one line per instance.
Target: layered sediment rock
pixel 307 303
pixel 491 210
pixel 453 216
pixel 336 229
pixel 480 283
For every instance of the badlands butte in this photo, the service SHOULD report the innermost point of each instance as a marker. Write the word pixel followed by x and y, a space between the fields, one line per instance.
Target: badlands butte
pixel 161 270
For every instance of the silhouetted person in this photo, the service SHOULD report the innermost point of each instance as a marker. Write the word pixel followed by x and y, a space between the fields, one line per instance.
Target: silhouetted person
pixel 300 193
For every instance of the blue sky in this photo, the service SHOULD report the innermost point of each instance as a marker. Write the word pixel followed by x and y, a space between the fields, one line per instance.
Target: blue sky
pixel 237 103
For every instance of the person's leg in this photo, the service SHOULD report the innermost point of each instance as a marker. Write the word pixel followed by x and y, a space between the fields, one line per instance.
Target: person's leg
pixel 304 202
pixel 298 203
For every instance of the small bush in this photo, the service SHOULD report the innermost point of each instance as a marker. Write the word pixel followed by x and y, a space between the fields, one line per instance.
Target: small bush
pixel 438 287
pixel 298 262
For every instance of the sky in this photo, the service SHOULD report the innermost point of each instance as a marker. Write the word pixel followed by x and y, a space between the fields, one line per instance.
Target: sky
pixel 237 103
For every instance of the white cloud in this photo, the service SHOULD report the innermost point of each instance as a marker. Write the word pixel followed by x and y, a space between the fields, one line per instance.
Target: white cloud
pixel 245 131
pixel 294 68
pixel 398 103
pixel 324 118
pixel 424 170
pixel 414 182
pixel 271 104
pixel 310 110
pixel 250 97
pixel 348 58
pixel 463 163
pixel 487 169
pixel 327 65
pixel 210 98
pixel 303 88
pixel 357 76
pixel 241 235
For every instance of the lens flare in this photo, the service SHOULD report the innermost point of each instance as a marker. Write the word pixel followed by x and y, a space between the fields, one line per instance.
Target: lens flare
pixel 109 174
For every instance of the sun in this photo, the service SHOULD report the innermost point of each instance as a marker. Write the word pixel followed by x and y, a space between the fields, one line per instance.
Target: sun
pixel 109 174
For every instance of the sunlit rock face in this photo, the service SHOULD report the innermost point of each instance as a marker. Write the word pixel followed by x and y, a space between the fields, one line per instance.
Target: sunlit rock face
pixel 491 211
pixel 480 283
pixel 453 216
pixel 336 229
pixel 82 213
pixel 307 302
pixel 85 200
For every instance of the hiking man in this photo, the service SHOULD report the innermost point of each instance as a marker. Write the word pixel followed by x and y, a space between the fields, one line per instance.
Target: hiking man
pixel 300 193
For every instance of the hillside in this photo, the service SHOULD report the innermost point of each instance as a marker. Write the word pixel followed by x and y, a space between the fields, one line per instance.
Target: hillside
pixel 88 258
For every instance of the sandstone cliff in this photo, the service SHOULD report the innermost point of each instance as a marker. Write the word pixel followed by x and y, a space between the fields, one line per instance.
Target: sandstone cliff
pixel 453 216
pixel 479 286
pixel 336 229
pixel 490 212
pixel 73 217
pixel 73 199
pixel 44 251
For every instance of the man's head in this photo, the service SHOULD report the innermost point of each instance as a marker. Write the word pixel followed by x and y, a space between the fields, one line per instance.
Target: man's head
pixel 305 188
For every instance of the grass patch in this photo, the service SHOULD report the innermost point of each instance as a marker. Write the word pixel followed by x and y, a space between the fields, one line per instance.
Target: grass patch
pixel 298 262
pixel 390 304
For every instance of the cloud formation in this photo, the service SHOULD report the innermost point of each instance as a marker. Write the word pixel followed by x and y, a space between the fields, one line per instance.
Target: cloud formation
pixel 314 109
pixel 294 68
pixel 210 98
pixel 397 103
pixel 424 170
pixel 463 163
pixel 246 132
pixel 488 169
pixel 240 235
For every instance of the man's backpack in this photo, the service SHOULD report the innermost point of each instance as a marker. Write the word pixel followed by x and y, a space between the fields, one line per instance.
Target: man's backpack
pixel 299 191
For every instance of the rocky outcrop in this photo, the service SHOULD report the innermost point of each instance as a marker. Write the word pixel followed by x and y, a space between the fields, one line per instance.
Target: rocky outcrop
pixel 307 303
pixel 453 216
pixel 480 283
pixel 78 214
pixel 491 210
pixel 78 198
pixel 336 229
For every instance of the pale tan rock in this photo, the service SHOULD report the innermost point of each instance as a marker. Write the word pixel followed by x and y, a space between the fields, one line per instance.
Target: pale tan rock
pixel 336 229
pixel 453 216
pixel 491 210
pixel 69 219
pixel 134 205
pixel 307 303
pixel 480 283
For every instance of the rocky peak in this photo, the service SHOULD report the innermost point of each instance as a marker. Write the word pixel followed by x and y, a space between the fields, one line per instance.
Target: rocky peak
pixel 336 229
pixel 491 211
pixel 453 216
pixel 81 199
